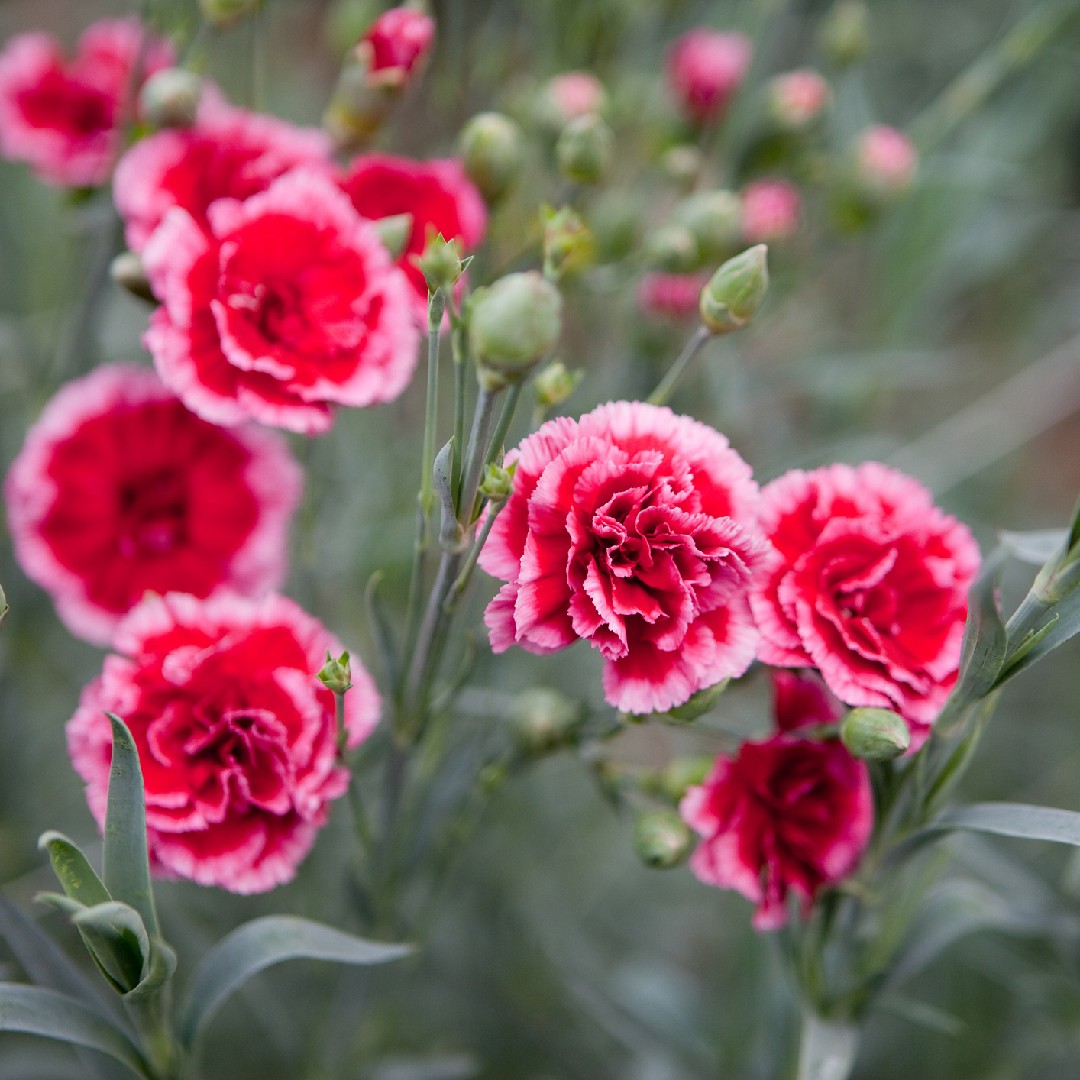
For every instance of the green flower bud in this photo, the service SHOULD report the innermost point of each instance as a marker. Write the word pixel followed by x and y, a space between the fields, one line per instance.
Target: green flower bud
pixel 491 150
pixel 545 720
pixel 568 244
pixel 555 384
pixel 735 291
pixel 682 164
pixel 170 98
pixel 845 32
pixel 226 12
pixel 683 773
pixel 699 704
pixel 127 271
pixel 662 839
pixel 336 674
pixel 440 263
pixel 513 324
pixel 394 233
pixel 672 248
pixel 714 219
pixel 874 734
pixel 496 483
pixel 585 149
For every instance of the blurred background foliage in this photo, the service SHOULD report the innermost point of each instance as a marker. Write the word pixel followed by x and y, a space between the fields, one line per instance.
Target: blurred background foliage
pixel 944 338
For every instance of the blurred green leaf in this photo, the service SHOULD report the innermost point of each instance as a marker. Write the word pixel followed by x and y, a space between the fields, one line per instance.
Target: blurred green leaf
pixel 37 1011
pixel 259 944
pixel 1019 820
pixel 1033 547
pixel 985 639
pixel 73 870
pixel 125 865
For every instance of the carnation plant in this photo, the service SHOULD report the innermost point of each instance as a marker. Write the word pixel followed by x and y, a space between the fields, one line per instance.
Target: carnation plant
pixel 477 463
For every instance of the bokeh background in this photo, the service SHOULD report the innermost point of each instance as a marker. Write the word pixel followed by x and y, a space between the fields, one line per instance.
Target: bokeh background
pixel 944 337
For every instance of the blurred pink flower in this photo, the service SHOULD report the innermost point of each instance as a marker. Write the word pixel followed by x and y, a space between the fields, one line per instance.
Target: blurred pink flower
pixel 575 93
pixel 287 305
pixel 770 210
pixel 228 153
pixel 797 98
pixel 634 529
pixel 399 40
pixel 119 490
pixel 705 68
pixel 63 117
pixel 237 738
pixel 670 296
pixel 886 159
pixel 870 587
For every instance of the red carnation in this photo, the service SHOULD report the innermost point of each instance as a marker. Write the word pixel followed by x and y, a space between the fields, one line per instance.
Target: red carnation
pixel 705 68
pixel 870 587
pixel 236 736
pixel 228 153
pixel 632 528
pixel 438 195
pixel 64 117
pixel 289 303
pixel 398 41
pixel 663 295
pixel 119 490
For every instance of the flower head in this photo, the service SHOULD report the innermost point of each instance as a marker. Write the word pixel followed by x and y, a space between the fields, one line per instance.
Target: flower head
pixel 287 304
pixel 705 68
pixel 670 296
pixel 770 210
pixel 399 40
pixel 886 160
pixel 120 490
pixel 870 587
pixel 798 98
pixel 236 736
pixel 631 528
pixel 63 116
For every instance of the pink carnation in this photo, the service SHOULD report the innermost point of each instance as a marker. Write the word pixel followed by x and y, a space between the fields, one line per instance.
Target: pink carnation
pixel 634 529
pixel 870 587
pixel 785 815
pixel 670 296
pixel 399 40
pixel 770 211
pixel 229 153
pixel 886 159
pixel 575 93
pixel 287 304
pixel 119 490
pixel 236 736
pixel 705 68
pixel 64 117
pixel 797 98
pixel 438 195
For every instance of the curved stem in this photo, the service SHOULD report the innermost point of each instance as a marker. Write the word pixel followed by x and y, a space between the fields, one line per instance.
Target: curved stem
pixel 667 384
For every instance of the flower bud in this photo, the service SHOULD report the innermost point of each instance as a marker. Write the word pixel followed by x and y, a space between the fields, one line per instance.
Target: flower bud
pixel 682 165
pixel 491 151
pixel 127 271
pixel 683 773
pixel 698 704
pixel 170 98
pixel 567 96
pixel 545 720
pixel 555 384
pixel 885 162
pixel 440 263
pixel 845 32
pixel 770 211
pixel 735 291
pixel 797 99
pixel 662 839
pixel 397 43
pixel 568 244
pixel 874 734
pixel 226 12
pixel 336 674
pixel 394 233
pixel 704 70
pixel 496 483
pixel 513 324
pixel 714 219
pixel 671 297
pixel 585 149
pixel 672 248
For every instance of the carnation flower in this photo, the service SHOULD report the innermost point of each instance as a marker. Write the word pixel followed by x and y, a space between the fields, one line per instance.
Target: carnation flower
pixel 670 296
pixel 236 735
pixel 870 587
pixel 119 490
pixel 228 153
pixel 438 195
pixel 797 98
pixel 566 96
pixel 705 68
pixel 63 117
pixel 399 40
pixel 634 529
pixel 886 160
pixel 770 211
pixel 287 304
pixel 784 815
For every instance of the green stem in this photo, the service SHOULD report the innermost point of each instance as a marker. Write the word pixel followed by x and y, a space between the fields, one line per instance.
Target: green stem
pixel 668 383
pixel 505 418
pixel 461 582
pixel 458 347
pixel 436 307
pixel 479 439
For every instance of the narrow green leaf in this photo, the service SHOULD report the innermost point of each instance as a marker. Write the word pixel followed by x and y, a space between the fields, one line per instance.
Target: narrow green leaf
pixel 125 866
pixel 380 627
pixel 34 1010
pixel 1035 547
pixel 259 944
pixel 1020 820
pixel 985 639
pixel 827 1048
pixel 73 870
pixel 1063 624
pixel 122 927
pixel 158 972
pixel 3 606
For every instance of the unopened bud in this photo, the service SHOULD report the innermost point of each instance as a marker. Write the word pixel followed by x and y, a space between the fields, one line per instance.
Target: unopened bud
pixel 735 292
pixel 394 233
pixel 226 12
pixel 699 704
pixel 683 773
pixel 513 324
pixel 545 720
pixel 566 97
pixel 885 162
pixel 555 384
pixel 358 106
pixel 797 99
pixel 662 839
pixel 682 164
pixel 128 272
pixel 770 211
pixel 170 98
pixel 440 263
pixel 496 483
pixel 336 674
pixel 714 220
pixel 875 734
pixel 672 248
pixel 845 32
pixel 491 151
pixel 585 149
pixel 397 43
pixel 568 244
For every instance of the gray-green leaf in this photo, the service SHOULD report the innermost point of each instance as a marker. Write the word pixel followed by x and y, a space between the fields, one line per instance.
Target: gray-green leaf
pixel 73 870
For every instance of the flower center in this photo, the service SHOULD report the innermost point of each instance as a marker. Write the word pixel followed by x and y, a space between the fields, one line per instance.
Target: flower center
pixel 152 513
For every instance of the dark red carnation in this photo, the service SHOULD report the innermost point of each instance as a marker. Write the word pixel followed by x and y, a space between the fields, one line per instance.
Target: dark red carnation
pixel 399 40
